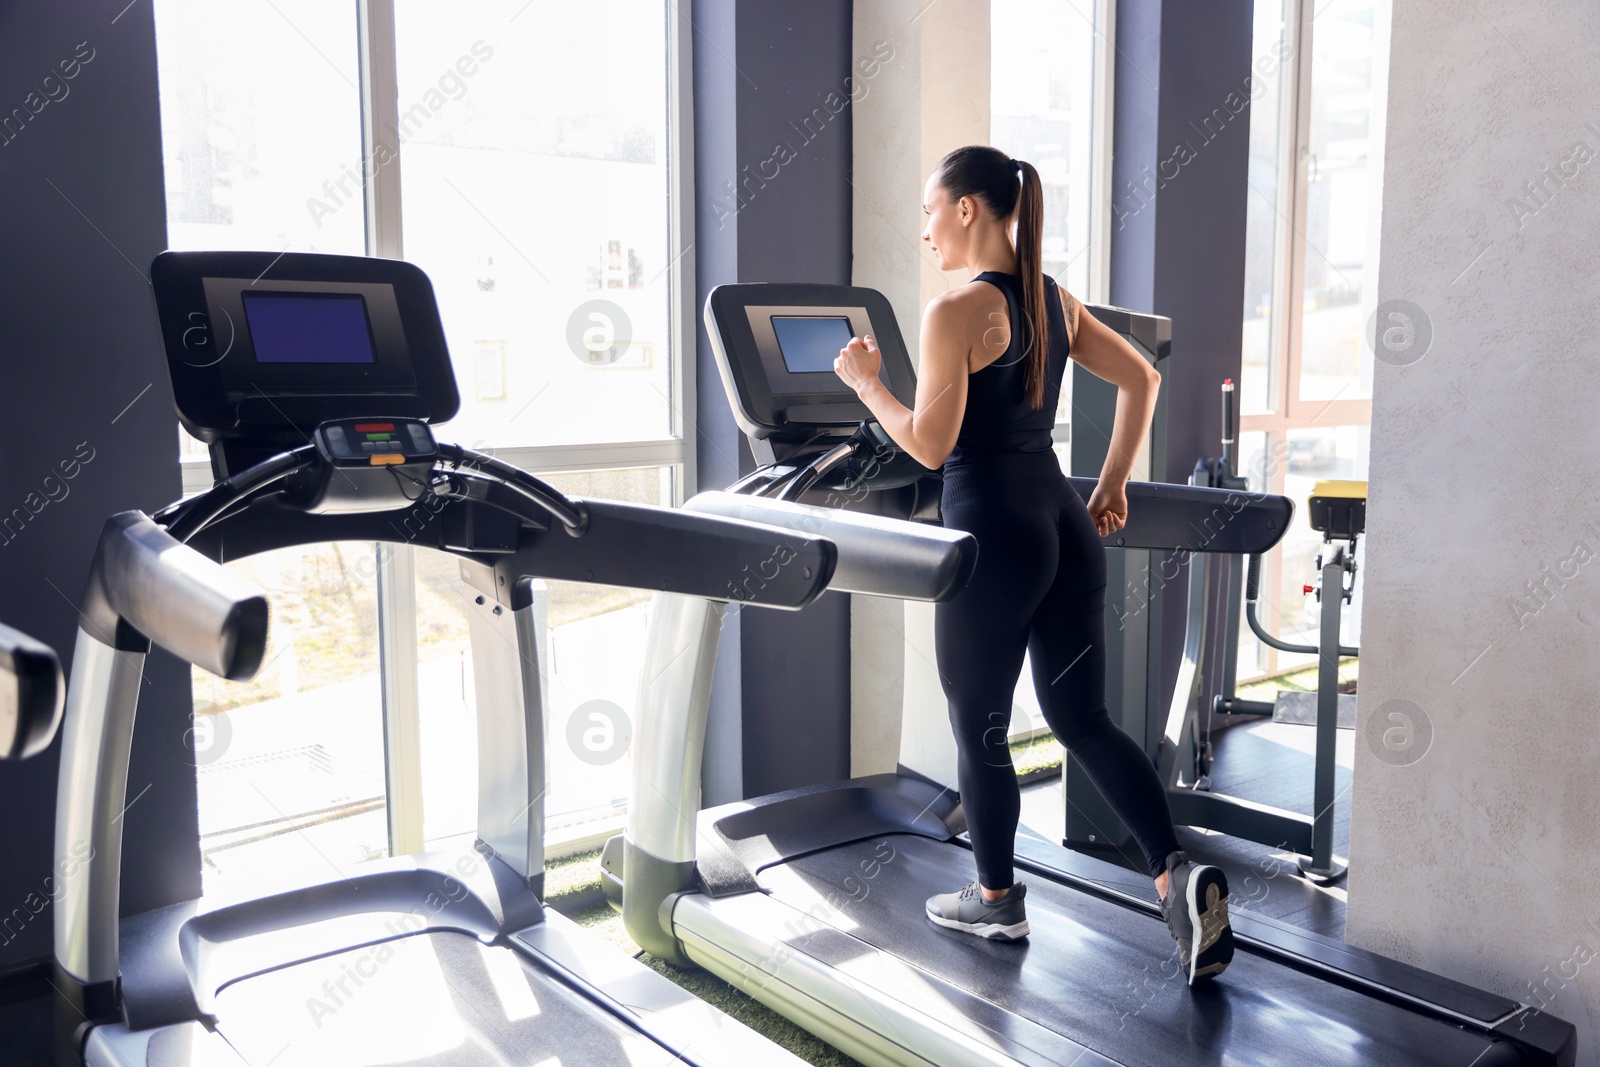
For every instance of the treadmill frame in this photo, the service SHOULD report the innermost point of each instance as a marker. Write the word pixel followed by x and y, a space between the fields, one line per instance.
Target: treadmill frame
pixel 143 985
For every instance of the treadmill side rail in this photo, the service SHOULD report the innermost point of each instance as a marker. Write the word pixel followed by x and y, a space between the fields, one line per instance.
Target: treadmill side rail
pixel 114 1045
pixel 703 1033
pixel 509 683
pixel 669 748
pixel 91 793
pixel 869 1004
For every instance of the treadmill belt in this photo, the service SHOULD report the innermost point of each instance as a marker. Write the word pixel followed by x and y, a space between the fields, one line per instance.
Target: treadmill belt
pixel 1106 976
pixel 436 999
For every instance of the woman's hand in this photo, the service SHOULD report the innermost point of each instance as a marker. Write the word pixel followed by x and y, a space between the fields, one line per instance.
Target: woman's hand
pixel 858 363
pixel 1108 507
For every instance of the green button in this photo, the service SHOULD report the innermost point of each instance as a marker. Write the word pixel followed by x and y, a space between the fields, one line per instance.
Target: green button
pixel 379 436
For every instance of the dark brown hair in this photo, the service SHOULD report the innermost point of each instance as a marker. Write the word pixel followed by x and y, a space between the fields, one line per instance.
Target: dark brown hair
pixel 990 176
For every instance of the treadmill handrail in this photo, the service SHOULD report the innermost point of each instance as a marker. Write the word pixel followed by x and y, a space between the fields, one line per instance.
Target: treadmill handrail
pixel 171 594
pixel 32 691
pixel 878 555
pixel 1165 516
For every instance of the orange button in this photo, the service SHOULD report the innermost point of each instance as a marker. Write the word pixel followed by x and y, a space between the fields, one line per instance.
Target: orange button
pixel 384 459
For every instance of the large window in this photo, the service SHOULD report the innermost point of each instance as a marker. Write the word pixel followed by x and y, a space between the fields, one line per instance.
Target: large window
pixel 1042 101
pixel 534 193
pixel 522 155
pixel 1315 179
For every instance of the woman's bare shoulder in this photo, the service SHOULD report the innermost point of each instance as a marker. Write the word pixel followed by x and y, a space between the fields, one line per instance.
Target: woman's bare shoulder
pixel 972 305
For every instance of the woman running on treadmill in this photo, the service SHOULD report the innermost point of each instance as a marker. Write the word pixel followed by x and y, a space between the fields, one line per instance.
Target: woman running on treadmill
pixel 993 355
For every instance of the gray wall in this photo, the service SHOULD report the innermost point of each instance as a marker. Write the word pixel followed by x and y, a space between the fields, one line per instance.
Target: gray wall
pixel 763 69
pixel 1476 808
pixel 84 375
pixel 1177 244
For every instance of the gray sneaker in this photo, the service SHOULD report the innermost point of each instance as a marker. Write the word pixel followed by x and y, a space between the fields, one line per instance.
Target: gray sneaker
pixel 1197 901
pixel 965 909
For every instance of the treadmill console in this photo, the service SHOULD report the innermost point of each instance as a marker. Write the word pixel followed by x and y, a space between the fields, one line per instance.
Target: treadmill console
pixel 265 347
pixel 775 343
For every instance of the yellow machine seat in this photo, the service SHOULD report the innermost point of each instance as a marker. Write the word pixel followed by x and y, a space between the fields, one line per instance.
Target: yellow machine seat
pixel 1337 508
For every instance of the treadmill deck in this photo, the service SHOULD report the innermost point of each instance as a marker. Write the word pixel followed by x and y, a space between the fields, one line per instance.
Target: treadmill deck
pixel 1091 971
pixel 433 999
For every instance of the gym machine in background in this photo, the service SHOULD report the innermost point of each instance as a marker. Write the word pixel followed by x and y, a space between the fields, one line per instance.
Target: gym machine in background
pixel 1178 737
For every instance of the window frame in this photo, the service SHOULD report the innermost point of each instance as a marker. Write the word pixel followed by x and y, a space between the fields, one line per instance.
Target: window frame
pixel 385 237
pixel 1287 411
pixel 396 570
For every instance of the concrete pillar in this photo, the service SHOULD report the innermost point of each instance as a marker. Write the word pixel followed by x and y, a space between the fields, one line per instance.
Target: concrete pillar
pixel 931 94
pixel 1476 808
pixel 772 120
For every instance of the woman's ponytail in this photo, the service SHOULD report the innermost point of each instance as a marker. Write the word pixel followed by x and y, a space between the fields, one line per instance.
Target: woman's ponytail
pixel 1030 265
pixel 993 177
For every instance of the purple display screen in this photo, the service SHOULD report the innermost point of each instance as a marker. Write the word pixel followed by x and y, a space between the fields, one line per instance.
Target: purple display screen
pixel 308 327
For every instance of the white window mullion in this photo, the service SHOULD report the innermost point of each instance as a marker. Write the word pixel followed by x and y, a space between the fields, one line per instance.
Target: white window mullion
pixel 380 115
pixel 680 243
pixel 402 719
pixel 1101 192
pixel 397 586
pixel 1297 179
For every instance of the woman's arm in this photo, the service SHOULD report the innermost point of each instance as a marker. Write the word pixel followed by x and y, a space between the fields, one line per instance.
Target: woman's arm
pixel 927 432
pixel 1105 354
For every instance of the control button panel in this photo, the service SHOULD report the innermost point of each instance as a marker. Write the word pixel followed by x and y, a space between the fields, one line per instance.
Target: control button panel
pixel 375 442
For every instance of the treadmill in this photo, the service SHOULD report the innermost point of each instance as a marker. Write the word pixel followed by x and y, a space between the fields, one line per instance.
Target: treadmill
pixel 32 692
pixel 812 900
pixel 317 381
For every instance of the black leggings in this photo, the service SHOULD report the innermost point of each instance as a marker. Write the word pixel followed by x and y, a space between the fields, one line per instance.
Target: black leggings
pixel 1040 586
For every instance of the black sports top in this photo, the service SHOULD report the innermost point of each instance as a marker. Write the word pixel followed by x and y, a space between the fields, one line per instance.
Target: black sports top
pixel 998 418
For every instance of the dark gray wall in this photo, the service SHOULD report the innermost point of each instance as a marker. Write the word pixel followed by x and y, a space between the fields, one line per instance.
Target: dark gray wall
pixel 1181 147
pixel 84 375
pixel 762 69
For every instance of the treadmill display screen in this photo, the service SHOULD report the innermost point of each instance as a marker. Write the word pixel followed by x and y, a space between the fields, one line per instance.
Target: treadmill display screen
pixel 287 327
pixel 810 343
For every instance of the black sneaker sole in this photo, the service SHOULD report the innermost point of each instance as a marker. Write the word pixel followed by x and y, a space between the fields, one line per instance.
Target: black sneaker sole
pixel 1208 918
